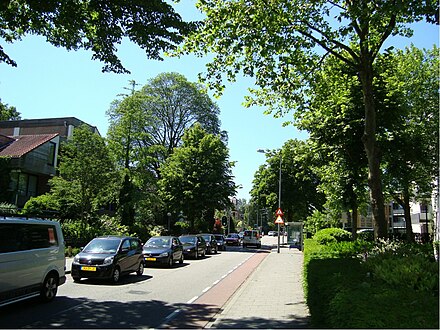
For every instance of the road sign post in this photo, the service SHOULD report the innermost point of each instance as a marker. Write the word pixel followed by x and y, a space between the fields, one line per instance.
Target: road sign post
pixel 279 221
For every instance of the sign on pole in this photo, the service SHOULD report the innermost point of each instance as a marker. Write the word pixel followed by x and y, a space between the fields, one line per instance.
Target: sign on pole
pixel 279 212
pixel 279 220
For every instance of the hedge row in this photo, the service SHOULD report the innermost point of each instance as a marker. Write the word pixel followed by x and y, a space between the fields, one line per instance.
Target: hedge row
pixel 365 285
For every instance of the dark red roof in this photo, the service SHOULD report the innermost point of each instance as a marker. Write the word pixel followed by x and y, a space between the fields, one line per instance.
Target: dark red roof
pixel 25 143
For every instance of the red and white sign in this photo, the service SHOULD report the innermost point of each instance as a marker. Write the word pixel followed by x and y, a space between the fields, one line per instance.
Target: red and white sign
pixel 279 220
pixel 279 212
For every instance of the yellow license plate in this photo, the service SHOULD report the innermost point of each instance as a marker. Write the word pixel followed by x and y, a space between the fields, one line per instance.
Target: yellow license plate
pixel 150 259
pixel 90 269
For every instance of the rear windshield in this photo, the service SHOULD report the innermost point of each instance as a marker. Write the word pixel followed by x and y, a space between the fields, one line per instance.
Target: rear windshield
pixel 158 242
pixel 187 239
pixel 102 246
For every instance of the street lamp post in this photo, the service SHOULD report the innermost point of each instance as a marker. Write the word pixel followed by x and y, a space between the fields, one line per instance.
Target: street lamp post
pixel 279 196
pixel 169 222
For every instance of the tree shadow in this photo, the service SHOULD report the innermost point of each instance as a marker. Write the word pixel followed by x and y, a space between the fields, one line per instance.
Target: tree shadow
pixel 84 313
pixel 294 322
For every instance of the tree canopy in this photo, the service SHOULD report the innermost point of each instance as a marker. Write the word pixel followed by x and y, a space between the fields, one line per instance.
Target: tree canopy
pixel 282 43
pixel 94 25
pixel 8 112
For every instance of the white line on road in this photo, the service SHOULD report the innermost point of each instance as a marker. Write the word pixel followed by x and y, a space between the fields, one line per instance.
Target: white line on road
pixel 192 300
pixel 216 282
pixel 206 289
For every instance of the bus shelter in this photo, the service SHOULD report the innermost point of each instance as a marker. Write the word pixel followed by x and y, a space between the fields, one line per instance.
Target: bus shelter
pixel 295 237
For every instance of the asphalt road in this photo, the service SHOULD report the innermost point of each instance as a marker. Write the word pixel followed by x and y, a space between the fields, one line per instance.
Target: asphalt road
pixel 148 301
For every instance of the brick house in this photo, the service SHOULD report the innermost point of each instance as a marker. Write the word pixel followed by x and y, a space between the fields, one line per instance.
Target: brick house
pixel 29 149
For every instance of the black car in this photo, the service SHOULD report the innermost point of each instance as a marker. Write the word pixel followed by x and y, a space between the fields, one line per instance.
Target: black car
pixel 163 250
pixel 221 242
pixel 194 246
pixel 108 258
pixel 211 243
pixel 233 239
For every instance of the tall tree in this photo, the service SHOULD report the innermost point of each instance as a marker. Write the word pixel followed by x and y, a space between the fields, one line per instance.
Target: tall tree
pixel 86 176
pixel 299 194
pixel 411 147
pixel 94 25
pixel 172 104
pixel 8 112
pixel 282 43
pixel 197 178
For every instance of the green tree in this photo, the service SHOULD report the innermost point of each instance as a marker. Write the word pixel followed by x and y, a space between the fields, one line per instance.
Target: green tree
pixel 171 105
pixel 8 112
pixel 282 43
pixel 94 25
pixel 86 176
pixel 299 195
pixel 411 147
pixel 196 178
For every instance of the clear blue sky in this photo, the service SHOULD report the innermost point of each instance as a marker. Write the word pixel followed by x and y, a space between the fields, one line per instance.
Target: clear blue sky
pixel 50 82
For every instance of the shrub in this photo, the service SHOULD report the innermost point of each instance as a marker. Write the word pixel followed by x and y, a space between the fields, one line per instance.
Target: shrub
pixel 8 209
pixel 332 235
pixel 40 206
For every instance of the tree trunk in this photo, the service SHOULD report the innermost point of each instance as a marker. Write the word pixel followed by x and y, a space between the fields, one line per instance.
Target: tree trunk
pixel 372 150
pixel 407 213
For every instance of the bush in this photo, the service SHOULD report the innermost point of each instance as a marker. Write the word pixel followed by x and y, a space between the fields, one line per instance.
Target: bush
pixel 332 235
pixel 8 209
pixel 40 206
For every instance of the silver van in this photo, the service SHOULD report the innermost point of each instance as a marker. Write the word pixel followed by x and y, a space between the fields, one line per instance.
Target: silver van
pixel 32 261
pixel 252 237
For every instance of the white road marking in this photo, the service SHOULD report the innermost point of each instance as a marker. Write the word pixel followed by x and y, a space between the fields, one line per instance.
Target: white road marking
pixel 192 300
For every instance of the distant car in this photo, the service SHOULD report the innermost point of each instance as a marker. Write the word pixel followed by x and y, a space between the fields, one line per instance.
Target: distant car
pixel 272 233
pixel 165 250
pixel 221 242
pixel 233 239
pixel 109 257
pixel 252 237
pixel 241 234
pixel 194 246
pixel 211 243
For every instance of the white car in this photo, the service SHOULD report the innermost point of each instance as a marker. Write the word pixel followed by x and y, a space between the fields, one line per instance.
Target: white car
pixel 252 237
pixel 32 259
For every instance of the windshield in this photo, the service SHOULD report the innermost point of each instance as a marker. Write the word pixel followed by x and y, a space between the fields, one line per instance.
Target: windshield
pixel 158 242
pixel 219 238
pixel 187 239
pixel 206 237
pixel 233 235
pixel 102 246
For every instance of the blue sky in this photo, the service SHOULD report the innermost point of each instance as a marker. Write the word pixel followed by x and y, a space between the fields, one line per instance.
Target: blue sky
pixel 51 82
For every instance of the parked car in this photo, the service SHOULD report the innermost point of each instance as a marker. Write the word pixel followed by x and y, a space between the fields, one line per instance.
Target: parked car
pixel 252 237
pixel 241 234
pixel 233 239
pixel 272 233
pixel 165 250
pixel 32 259
pixel 109 257
pixel 211 243
pixel 194 246
pixel 221 242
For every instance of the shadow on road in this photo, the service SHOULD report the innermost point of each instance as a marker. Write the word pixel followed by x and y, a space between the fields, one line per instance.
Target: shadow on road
pixel 262 323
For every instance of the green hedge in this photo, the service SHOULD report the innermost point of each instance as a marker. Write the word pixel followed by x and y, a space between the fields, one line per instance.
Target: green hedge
pixel 364 285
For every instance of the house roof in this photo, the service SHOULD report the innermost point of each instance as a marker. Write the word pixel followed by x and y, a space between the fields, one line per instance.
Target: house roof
pixel 24 144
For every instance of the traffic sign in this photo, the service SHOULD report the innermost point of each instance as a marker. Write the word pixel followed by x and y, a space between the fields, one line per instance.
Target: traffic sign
pixel 279 212
pixel 279 220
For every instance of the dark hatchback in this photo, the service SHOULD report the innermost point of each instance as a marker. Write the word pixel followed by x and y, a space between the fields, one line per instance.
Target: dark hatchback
pixel 211 243
pixel 194 246
pixel 165 250
pixel 221 243
pixel 109 257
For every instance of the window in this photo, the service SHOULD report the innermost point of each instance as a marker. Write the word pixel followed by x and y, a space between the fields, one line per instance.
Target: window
pixel 51 154
pixel 18 237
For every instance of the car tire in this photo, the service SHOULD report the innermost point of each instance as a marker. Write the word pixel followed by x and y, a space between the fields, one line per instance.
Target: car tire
pixel 244 245
pixel 259 246
pixel 116 275
pixel 203 254
pixel 140 270
pixel 170 262
pixel 50 287
pixel 196 254
pixel 76 279
pixel 215 251
pixel 181 259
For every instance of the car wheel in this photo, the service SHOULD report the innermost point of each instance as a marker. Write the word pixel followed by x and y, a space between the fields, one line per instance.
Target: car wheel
pixel 244 245
pixel 215 251
pixel 116 275
pixel 181 259
pixel 170 262
pixel 76 279
pixel 49 288
pixel 259 246
pixel 204 254
pixel 140 269
pixel 196 254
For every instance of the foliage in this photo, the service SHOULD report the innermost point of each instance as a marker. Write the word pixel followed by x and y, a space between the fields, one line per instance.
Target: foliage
pixel 98 26
pixel 347 292
pixel 86 176
pixel 8 112
pixel 41 205
pixel 283 43
pixel 8 209
pixel 332 235
pixel 197 177
pixel 319 220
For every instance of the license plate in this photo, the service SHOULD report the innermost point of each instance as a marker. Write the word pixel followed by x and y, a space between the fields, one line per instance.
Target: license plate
pixel 150 259
pixel 90 269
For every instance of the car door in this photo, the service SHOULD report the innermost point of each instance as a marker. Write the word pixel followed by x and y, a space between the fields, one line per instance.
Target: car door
pixel 176 248
pixel 123 256
pixel 135 254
